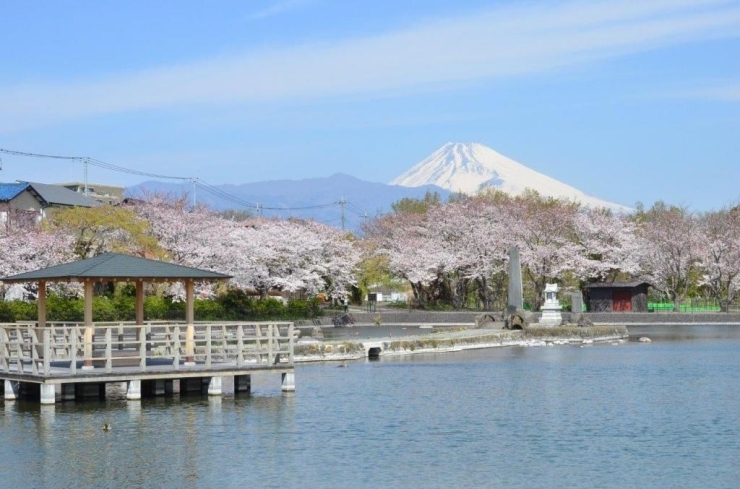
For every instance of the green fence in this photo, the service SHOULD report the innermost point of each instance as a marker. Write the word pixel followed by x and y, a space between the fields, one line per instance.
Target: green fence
pixel 691 305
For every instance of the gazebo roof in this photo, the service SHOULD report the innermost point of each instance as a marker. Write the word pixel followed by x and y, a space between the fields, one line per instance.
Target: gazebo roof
pixel 116 267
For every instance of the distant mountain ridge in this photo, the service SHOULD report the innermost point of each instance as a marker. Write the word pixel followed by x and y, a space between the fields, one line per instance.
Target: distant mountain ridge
pixel 456 167
pixel 316 198
pixel 471 167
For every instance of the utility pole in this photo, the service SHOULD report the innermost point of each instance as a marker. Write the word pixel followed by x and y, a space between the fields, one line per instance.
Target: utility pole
pixel 342 202
pixel 193 180
pixel 85 163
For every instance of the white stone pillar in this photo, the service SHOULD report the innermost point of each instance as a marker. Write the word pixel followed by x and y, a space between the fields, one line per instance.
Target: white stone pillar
pixel 48 394
pixel 289 382
pixel 214 386
pixel 11 390
pixel 133 392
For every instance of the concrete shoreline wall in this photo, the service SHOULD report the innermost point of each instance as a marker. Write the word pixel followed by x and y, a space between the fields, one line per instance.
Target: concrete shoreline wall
pixel 468 317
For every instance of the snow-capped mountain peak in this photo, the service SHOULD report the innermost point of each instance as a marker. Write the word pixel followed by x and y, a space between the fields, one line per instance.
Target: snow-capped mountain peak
pixel 470 167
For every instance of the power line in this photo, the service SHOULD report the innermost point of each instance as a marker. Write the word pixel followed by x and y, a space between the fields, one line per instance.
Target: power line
pixel 197 182
pixel 39 155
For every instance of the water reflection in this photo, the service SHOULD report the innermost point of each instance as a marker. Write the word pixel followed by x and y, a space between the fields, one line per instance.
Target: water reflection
pixel 685 332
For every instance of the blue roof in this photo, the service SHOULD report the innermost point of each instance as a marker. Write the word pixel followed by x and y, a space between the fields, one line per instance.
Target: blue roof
pixel 8 191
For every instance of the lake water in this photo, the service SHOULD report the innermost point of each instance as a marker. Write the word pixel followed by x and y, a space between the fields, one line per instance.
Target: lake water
pixel 663 414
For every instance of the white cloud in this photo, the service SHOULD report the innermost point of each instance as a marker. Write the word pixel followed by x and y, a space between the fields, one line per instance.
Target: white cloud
pixel 520 40
pixel 279 8
pixel 724 92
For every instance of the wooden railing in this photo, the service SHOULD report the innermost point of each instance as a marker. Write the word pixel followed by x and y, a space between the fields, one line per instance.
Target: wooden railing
pixel 28 349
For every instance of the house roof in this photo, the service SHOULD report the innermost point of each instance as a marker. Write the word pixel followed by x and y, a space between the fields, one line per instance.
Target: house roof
pixel 116 267
pixel 618 285
pixel 55 194
pixel 9 191
pixel 46 194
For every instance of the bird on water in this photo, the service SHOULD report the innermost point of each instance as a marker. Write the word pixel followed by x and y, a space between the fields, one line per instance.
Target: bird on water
pixel 107 427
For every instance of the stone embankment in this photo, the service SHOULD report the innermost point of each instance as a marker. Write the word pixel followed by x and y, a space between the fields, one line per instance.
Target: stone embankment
pixel 406 316
pixel 446 340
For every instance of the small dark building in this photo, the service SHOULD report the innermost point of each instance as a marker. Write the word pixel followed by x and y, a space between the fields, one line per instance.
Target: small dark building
pixel 618 297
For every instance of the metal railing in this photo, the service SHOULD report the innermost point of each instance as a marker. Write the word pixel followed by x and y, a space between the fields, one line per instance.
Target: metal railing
pixel 26 348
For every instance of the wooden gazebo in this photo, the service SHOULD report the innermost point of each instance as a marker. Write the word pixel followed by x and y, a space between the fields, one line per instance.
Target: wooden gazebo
pixel 118 267
pixel 46 353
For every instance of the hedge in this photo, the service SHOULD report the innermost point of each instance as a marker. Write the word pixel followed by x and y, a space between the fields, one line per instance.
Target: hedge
pixel 232 306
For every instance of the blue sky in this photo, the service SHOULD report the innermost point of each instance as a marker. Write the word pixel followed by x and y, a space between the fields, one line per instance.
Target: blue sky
pixel 628 101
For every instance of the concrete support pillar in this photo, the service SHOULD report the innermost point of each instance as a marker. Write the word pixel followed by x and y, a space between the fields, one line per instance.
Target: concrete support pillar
pixel 68 392
pixel 289 382
pixel 12 390
pixel 48 394
pixel 133 391
pixel 214 386
pixel 242 383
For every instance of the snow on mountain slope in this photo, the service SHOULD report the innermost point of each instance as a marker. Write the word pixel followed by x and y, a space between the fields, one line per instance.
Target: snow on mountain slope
pixel 470 167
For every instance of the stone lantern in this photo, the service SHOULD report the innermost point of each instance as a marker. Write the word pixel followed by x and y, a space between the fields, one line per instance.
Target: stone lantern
pixel 551 315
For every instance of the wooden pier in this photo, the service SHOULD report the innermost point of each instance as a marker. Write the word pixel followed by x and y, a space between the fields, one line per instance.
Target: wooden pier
pixel 65 361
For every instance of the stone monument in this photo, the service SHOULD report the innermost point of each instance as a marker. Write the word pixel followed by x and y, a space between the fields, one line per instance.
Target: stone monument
pixel 576 302
pixel 551 315
pixel 515 317
pixel 515 299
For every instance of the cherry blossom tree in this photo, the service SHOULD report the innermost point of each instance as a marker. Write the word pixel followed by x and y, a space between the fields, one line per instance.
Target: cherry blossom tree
pixel 670 249
pixel 412 251
pixel 471 234
pixel 720 253
pixel 609 244
pixel 544 230
pixel 31 248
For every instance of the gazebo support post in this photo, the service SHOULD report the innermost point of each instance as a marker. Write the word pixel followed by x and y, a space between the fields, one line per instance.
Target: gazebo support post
pixel 88 364
pixel 189 321
pixel 139 302
pixel 42 304
pixel 41 323
pixel 141 334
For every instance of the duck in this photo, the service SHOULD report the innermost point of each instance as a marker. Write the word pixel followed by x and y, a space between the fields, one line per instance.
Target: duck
pixel 107 427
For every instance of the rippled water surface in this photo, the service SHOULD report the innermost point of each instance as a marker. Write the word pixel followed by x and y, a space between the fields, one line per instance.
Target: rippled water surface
pixel 663 414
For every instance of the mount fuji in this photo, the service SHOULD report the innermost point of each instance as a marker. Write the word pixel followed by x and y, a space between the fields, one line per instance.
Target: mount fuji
pixel 471 167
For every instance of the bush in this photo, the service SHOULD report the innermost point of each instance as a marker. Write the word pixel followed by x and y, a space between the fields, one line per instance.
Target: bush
pixel 156 308
pixel 64 309
pixel 232 306
pixel 208 310
pixel 6 313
